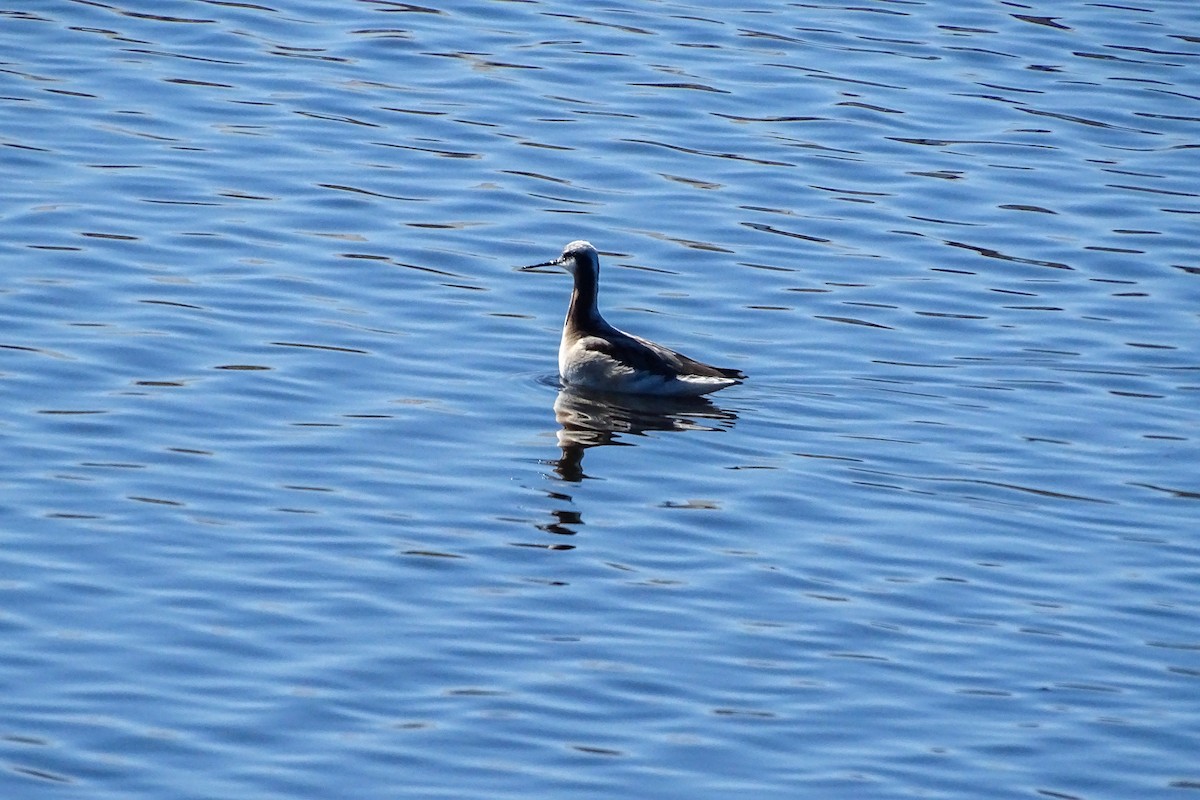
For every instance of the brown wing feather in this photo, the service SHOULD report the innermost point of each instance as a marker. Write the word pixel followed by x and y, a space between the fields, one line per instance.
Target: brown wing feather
pixel 643 355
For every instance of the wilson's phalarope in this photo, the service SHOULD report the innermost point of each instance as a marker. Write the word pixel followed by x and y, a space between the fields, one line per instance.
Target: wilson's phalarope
pixel 595 355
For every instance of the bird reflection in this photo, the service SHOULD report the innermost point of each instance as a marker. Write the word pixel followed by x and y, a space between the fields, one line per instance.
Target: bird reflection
pixel 591 420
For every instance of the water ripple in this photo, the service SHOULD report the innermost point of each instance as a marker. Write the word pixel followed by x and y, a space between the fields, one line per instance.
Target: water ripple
pixel 291 491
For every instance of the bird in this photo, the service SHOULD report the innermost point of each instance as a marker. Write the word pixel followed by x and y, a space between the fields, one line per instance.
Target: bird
pixel 593 355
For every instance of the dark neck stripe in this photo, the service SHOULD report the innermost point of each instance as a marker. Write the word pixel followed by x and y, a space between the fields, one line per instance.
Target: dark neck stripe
pixel 583 311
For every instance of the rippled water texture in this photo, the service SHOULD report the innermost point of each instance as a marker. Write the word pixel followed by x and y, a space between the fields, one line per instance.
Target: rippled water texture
pixel 291 505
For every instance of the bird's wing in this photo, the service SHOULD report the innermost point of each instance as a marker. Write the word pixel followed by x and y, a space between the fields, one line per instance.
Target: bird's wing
pixel 645 356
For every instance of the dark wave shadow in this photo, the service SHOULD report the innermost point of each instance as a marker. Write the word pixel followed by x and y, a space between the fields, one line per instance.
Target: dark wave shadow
pixel 591 419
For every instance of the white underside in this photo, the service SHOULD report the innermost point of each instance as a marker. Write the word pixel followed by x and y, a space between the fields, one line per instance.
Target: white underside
pixel 578 366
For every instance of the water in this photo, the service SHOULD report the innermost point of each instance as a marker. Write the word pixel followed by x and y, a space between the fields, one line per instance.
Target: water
pixel 291 501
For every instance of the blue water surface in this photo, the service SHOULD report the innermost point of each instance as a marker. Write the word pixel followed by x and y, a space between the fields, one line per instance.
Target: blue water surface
pixel 291 504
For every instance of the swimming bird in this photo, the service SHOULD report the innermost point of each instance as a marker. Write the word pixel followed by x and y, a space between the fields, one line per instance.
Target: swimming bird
pixel 594 355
